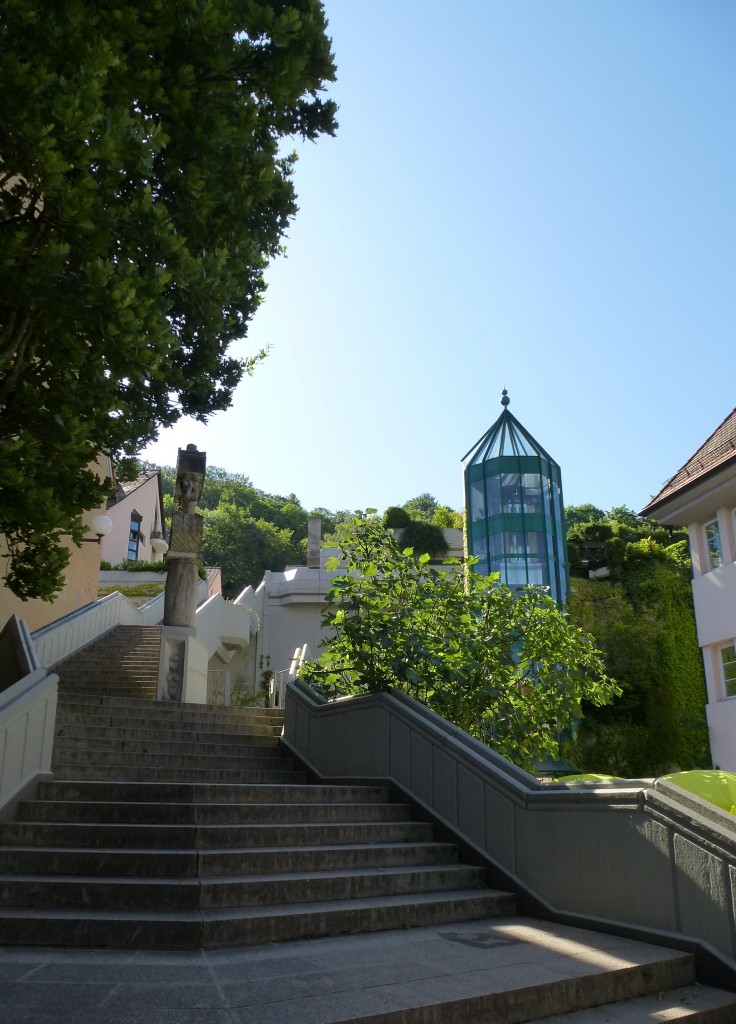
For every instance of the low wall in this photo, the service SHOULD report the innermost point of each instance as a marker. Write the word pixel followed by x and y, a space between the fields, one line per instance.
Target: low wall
pixel 27 717
pixel 629 857
pixel 65 636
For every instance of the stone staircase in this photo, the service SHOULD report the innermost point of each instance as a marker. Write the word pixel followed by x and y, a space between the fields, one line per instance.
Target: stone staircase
pixel 126 659
pixel 178 827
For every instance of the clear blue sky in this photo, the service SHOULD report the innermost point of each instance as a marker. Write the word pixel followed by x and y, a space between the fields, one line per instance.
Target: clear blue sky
pixel 530 194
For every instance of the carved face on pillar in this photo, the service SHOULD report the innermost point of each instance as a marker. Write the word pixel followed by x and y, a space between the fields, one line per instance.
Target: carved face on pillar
pixel 190 470
pixel 190 489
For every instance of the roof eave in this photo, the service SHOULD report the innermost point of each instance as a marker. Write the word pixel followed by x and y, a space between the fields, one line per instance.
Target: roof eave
pixel 677 507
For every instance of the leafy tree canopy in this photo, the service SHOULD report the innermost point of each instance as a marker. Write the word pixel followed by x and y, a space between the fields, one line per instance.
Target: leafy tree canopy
pixel 142 193
pixel 575 514
pixel 627 517
pixel 244 547
pixel 421 508
pixel 507 667
pixel 426 509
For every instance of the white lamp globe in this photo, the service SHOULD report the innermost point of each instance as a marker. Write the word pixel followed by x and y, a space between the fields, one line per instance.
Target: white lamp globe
pixel 101 525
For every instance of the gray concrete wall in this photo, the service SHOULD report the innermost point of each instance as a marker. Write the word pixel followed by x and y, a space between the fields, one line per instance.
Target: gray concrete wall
pixel 629 855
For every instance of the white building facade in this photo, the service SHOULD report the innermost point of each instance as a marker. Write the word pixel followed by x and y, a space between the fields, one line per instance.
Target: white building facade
pixel 702 496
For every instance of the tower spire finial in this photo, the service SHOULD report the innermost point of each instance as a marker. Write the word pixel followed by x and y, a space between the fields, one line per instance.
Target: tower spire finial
pixel 505 398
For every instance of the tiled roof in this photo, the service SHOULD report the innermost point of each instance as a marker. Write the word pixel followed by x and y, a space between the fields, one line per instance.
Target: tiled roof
pixel 124 488
pixel 719 449
pixel 132 485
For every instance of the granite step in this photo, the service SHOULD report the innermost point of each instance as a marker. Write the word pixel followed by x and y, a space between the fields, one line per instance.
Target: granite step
pixel 170 747
pixel 245 926
pixel 85 732
pixel 142 689
pixel 237 891
pixel 207 813
pixel 255 732
pixel 149 714
pixel 151 862
pixel 189 792
pixel 160 774
pixel 131 705
pixel 208 837
pixel 689 1004
pixel 175 743
pixel 264 761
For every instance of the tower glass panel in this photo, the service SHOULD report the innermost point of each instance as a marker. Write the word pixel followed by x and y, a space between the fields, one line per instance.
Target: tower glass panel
pixel 515 517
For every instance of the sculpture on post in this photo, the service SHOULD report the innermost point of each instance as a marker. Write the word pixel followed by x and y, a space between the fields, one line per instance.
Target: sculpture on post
pixel 182 577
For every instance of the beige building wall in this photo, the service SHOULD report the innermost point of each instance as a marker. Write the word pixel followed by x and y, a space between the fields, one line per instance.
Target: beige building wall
pixel 81 576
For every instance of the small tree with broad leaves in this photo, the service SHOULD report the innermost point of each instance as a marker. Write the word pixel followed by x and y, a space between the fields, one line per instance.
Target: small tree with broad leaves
pixel 506 666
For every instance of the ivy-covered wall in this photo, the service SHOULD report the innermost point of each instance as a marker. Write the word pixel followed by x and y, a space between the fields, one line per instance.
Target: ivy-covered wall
pixel 643 621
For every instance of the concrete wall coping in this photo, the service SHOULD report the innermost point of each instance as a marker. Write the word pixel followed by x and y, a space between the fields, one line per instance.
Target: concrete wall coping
pixel 639 856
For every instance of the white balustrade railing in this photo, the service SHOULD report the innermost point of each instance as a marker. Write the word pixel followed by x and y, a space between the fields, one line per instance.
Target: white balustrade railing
pixel 65 636
pixel 221 622
pixel 301 654
pixel 278 681
pixel 27 718
pixel 277 688
pixel 153 612
pixel 247 597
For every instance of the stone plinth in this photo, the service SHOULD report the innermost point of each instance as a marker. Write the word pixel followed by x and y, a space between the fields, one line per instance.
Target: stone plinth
pixel 182 670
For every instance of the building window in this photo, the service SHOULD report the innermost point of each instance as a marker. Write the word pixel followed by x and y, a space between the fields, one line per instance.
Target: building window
pixel 713 544
pixel 134 536
pixel 728 660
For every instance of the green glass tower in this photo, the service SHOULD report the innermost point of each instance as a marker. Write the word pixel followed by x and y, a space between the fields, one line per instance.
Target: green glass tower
pixel 515 513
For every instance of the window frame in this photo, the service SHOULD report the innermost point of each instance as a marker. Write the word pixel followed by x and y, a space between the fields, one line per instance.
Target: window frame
pixel 135 536
pixel 714 553
pixel 728 677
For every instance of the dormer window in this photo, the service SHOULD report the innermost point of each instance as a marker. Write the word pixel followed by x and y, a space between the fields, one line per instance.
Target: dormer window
pixel 713 544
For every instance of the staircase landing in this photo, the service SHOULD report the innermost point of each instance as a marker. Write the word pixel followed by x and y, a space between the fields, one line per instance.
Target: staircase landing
pixel 480 972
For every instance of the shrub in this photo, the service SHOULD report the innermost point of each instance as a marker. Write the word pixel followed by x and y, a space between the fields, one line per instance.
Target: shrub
pixel 425 539
pixel 395 518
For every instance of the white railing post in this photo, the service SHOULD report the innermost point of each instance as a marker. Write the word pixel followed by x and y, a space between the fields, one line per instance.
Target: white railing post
pixel 277 688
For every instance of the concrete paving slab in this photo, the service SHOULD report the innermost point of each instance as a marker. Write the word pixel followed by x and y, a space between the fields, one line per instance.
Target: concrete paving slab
pixel 322 981
pixel 123 974
pixel 172 996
